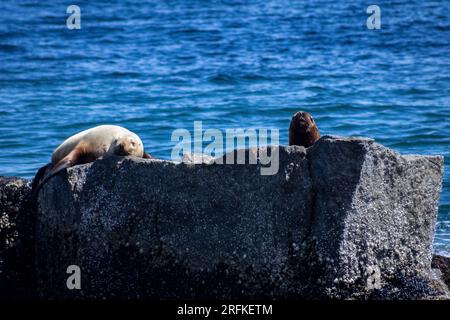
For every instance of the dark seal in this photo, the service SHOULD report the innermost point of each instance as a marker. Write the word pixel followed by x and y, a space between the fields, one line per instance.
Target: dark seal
pixel 303 130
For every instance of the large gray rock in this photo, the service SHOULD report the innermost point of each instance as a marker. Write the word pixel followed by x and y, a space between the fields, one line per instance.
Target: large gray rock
pixel 347 218
pixel 375 217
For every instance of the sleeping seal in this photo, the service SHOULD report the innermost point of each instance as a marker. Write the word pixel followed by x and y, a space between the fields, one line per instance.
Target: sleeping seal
pixel 87 146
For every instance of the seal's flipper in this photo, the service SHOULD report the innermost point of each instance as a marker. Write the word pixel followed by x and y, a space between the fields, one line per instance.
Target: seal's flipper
pixel 38 177
pixel 68 161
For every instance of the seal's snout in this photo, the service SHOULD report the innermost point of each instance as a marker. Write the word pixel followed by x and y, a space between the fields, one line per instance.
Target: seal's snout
pixel 300 120
pixel 299 115
pixel 132 144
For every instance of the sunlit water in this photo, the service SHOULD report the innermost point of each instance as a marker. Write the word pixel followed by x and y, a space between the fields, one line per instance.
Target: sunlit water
pixel 158 66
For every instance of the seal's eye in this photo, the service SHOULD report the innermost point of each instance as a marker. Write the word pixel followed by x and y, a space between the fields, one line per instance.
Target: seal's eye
pixel 312 119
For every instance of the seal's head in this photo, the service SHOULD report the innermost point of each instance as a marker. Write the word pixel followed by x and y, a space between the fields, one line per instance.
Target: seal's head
pixel 303 130
pixel 128 145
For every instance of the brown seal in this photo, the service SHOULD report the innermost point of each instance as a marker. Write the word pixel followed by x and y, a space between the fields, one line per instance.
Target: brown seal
pixel 87 146
pixel 303 130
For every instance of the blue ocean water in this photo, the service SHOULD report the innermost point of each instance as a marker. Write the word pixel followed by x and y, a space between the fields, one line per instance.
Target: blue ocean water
pixel 155 66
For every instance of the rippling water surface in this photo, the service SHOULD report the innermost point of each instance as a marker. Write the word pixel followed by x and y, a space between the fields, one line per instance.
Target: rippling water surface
pixel 159 65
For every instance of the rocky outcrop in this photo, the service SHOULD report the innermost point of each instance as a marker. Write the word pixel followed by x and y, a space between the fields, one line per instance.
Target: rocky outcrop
pixel 346 218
